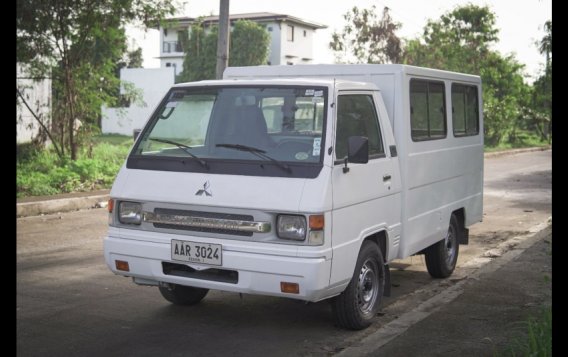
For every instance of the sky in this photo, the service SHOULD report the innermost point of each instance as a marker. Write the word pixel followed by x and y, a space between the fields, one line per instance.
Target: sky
pixel 520 22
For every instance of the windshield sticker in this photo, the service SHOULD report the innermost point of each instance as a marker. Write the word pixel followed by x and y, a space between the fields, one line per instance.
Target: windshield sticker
pixel 309 92
pixel 318 93
pixel 301 155
pixel 317 146
pixel 171 104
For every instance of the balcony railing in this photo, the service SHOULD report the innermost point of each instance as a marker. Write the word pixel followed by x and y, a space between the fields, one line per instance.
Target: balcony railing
pixel 171 46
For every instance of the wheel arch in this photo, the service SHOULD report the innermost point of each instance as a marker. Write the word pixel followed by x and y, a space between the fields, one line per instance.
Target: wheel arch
pixel 380 239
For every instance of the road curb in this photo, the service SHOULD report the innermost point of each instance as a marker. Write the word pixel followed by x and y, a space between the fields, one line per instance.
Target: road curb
pixel 59 204
pixel 489 155
pixel 24 209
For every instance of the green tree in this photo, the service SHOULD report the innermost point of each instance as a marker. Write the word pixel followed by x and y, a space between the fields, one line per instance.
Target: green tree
pixel 542 89
pixel 461 41
pixel 458 41
pixel 78 44
pixel 545 46
pixel 366 38
pixel 134 58
pixel 248 46
pixel 200 52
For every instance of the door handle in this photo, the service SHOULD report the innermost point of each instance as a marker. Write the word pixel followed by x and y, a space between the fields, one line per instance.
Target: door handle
pixel 386 177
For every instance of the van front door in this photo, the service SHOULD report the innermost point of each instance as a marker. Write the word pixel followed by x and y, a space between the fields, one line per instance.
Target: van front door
pixel 366 199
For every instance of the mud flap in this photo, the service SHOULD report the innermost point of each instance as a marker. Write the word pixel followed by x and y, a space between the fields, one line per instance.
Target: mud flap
pixel 387 292
pixel 464 236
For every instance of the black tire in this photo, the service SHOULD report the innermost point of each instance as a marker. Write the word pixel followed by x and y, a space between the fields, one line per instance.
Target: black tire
pixel 358 304
pixel 442 256
pixel 183 295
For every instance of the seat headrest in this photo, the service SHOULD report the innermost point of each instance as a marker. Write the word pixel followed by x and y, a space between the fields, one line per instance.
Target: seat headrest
pixel 245 100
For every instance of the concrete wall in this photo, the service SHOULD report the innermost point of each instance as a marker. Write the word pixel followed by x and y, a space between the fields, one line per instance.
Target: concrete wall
pixel 299 51
pixel 176 63
pixel 275 41
pixel 153 83
pixel 38 95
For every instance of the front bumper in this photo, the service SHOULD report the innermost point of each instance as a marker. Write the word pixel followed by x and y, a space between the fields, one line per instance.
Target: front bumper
pixel 257 273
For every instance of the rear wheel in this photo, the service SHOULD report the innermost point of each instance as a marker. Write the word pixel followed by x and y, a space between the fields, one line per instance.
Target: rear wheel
pixel 356 307
pixel 441 257
pixel 183 295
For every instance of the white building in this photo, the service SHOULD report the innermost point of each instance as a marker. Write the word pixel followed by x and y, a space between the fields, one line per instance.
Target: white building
pixel 37 94
pixel 291 38
pixel 152 84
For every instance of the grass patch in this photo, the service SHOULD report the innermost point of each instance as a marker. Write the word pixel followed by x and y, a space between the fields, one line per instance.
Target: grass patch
pixel 522 140
pixel 538 340
pixel 40 172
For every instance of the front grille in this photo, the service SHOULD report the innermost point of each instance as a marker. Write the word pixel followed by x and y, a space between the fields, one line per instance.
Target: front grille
pixel 220 275
pixel 240 217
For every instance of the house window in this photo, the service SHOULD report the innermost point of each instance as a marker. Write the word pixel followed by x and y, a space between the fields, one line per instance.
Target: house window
pixel 181 35
pixel 171 46
pixel 168 64
pixel 427 110
pixel 305 33
pixel 290 33
pixel 465 110
pixel 269 28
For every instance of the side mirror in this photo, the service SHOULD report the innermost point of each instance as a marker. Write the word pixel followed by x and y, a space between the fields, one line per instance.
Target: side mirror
pixel 358 150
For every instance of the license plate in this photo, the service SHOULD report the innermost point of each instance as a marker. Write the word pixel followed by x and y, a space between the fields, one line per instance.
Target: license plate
pixel 201 253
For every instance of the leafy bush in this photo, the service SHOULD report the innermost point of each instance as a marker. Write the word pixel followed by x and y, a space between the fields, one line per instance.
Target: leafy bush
pixel 40 172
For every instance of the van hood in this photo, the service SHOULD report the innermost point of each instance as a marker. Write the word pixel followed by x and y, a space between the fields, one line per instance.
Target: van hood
pixel 217 190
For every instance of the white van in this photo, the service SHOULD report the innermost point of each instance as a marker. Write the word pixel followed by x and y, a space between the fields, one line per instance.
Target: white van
pixel 301 182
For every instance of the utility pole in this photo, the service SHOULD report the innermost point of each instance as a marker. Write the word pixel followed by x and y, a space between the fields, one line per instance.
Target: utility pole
pixel 223 40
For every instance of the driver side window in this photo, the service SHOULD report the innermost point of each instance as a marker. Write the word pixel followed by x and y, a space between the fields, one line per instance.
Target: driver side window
pixel 357 116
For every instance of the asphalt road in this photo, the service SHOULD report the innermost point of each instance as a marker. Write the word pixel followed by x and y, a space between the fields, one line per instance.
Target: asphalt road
pixel 69 303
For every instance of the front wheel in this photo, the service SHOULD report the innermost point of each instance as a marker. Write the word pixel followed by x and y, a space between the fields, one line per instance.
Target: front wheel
pixel 441 257
pixel 183 295
pixel 356 307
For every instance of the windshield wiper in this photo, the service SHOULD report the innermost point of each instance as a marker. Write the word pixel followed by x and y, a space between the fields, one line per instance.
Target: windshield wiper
pixel 258 152
pixel 185 148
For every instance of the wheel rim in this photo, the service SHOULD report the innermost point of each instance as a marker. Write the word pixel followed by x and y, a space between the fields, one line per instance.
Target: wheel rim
pixel 367 287
pixel 450 245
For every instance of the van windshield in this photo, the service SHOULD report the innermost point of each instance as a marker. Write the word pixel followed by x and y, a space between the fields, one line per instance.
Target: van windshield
pixel 208 127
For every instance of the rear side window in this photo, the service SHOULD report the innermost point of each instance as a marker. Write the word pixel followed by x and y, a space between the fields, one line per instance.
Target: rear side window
pixel 427 110
pixel 465 110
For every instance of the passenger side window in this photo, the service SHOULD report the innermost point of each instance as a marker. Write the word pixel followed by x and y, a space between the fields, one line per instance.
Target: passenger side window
pixel 303 115
pixel 427 110
pixel 465 110
pixel 357 116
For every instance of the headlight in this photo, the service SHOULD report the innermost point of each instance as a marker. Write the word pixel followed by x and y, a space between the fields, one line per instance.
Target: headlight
pixel 130 213
pixel 291 227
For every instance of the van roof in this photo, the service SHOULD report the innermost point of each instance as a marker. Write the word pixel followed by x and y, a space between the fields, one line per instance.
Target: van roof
pixel 303 81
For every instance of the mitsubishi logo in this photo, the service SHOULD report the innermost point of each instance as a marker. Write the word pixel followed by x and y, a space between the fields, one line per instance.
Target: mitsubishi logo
pixel 205 190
